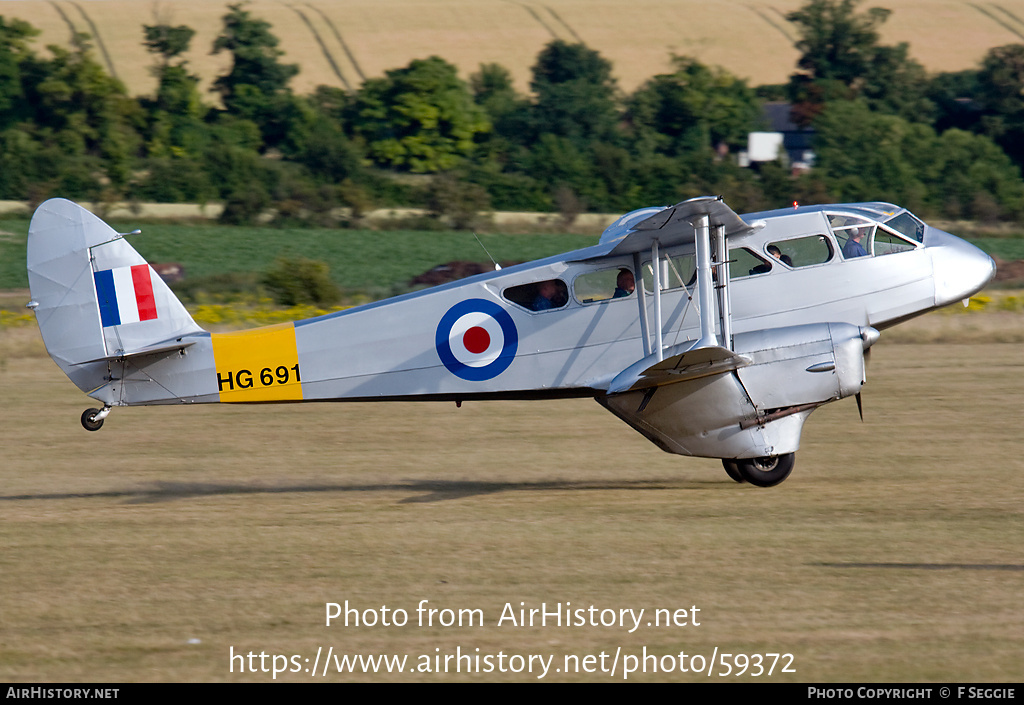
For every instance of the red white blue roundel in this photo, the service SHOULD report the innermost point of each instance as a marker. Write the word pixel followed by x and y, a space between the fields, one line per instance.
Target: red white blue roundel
pixel 476 340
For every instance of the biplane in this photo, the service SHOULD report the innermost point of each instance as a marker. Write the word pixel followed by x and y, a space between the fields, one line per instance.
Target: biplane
pixel 713 335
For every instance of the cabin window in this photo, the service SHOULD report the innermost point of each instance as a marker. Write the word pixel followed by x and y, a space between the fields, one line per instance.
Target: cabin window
pixel 539 296
pixel 604 285
pixel 887 243
pixel 802 251
pixel 744 263
pixel 676 272
pixel 855 240
pixel 853 233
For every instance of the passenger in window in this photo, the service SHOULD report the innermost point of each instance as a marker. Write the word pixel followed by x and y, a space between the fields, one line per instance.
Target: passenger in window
pixel 853 248
pixel 625 284
pixel 549 295
pixel 766 267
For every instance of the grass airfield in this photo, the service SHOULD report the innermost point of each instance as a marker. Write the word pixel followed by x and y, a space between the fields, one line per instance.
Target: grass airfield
pixel 147 550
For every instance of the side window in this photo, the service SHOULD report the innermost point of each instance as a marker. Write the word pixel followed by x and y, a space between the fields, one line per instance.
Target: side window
pixel 744 263
pixel 802 251
pixel 886 243
pixel 676 272
pixel 853 233
pixel 539 296
pixel 603 285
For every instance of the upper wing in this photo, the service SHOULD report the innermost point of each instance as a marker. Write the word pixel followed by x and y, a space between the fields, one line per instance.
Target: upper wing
pixel 636 231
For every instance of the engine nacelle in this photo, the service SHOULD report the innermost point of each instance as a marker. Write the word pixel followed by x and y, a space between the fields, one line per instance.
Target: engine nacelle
pixel 759 409
pixel 809 364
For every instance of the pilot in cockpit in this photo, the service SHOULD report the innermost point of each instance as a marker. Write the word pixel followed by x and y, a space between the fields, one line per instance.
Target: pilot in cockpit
pixel 853 248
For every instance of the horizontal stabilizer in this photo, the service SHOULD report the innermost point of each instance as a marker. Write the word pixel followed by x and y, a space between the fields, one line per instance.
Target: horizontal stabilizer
pixel 680 367
pixel 158 349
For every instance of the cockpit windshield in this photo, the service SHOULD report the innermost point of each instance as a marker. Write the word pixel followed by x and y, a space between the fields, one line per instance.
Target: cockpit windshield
pixel 908 225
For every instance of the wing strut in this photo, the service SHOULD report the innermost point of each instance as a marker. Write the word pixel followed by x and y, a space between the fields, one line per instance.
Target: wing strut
pixel 693 216
pixel 659 343
pixel 722 288
pixel 705 285
pixel 641 298
pixel 708 293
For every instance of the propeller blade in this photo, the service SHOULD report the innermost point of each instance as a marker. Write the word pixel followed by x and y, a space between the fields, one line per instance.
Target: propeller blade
pixel 860 407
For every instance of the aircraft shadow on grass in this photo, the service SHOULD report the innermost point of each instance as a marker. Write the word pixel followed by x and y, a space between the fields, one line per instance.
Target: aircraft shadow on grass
pixel 427 490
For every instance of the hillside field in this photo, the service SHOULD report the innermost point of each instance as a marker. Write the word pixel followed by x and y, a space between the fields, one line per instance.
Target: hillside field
pixel 340 43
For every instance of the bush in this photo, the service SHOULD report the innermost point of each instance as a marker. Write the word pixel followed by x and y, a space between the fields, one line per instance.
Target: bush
pixel 295 281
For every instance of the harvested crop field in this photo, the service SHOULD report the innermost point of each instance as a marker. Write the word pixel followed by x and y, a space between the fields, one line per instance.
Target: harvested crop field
pixel 341 43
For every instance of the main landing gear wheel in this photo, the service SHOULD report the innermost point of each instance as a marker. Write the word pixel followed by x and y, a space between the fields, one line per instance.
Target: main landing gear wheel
pixel 89 422
pixel 732 469
pixel 766 472
pixel 92 419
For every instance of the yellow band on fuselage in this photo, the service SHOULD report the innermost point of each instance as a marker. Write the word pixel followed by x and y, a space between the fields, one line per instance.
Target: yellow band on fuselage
pixel 258 365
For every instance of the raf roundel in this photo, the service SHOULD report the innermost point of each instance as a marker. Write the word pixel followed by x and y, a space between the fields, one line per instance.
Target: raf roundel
pixel 476 340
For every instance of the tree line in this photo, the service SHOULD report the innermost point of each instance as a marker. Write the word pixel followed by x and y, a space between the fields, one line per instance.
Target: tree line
pixel 947 144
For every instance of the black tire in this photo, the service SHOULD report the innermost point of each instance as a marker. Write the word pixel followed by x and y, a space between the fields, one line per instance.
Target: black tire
pixel 732 469
pixel 766 472
pixel 89 422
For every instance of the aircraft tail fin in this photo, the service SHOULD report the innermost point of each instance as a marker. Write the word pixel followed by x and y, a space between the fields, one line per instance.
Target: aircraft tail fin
pixel 95 298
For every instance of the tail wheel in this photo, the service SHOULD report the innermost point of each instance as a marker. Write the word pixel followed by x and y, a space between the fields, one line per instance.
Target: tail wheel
pixel 766 472
pixel 732 469
pixel 89 420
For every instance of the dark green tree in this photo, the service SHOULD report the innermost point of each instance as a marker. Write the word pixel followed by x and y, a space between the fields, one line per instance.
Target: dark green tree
pixel 420 118
pixel 175 124
pixel 576 96
pixel 1000 93
pixel 836 42
pixel 166 41
pixel 256 88
pixel 14 52
pixel 493 90
pixel 509 112
pixel 865 155
pixel 82 111
pixel 696 107
pixel 954 95
pixel 841 58
pixel 323 148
